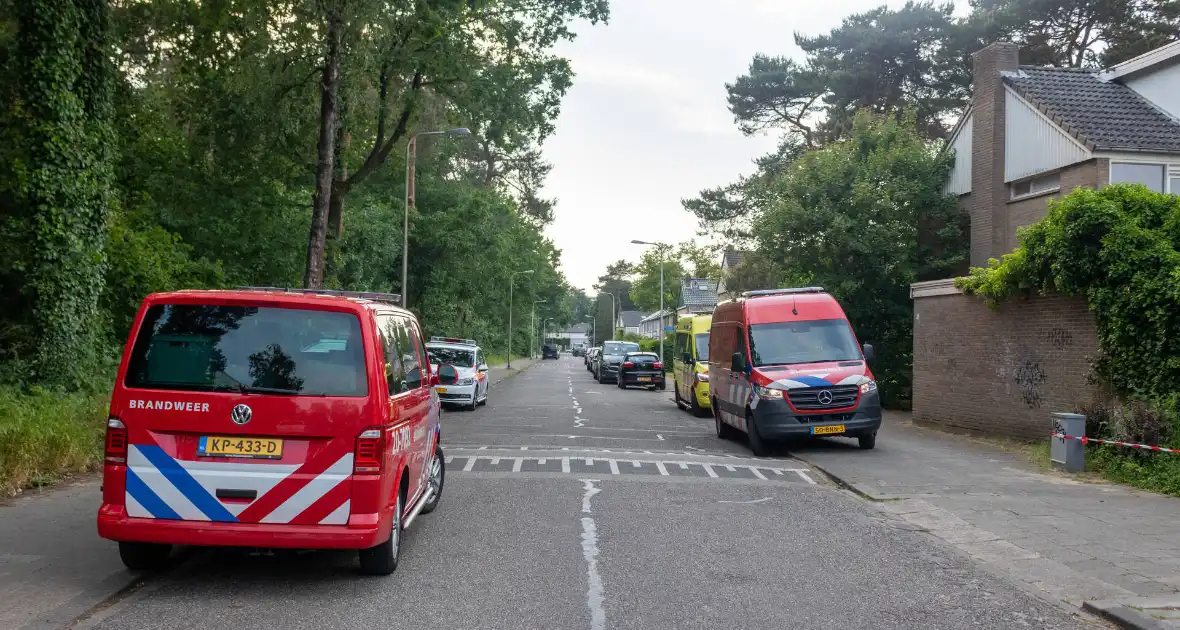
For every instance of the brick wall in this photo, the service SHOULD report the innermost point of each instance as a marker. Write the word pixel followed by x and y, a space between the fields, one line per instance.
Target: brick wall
pixel 1000 373
pixel 1092 174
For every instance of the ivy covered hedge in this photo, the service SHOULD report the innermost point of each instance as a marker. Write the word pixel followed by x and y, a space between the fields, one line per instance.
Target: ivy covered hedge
pixel 1119 248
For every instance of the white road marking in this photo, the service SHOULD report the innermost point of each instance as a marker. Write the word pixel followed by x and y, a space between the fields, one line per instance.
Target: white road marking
pixel 565 465
pixel 449 458
pixel 709 470
pixel 636 464
pixel 516 463
pixel 683 466
pixel 595 590
pixel 470 464
pixel 803 474
pixel 483 448
pixel 495 460
pixel 660 436
pixel 757 473
pixel 762 500
pixel 614 466
pixel 589 461
pixel 541 461
pixel 730 468
pixel 663 471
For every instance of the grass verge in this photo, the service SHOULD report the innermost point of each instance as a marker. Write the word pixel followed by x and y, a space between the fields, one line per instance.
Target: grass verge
pixel 1157 472
pixel 45 435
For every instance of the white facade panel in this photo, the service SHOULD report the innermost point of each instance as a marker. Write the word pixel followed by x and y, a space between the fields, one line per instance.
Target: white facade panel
pixel 959 182
pixel 1033 143
pixel 1161 87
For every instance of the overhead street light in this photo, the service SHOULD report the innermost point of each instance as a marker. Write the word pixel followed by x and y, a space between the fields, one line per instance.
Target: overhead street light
pixel 658 244
pixel 511 282
pixel 411 158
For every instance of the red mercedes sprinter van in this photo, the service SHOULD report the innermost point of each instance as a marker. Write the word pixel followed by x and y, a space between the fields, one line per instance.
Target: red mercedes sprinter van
pixel 784 363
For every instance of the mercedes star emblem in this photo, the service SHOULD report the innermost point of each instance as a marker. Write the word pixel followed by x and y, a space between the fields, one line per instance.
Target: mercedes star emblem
pixel 242 414
pixel 825 397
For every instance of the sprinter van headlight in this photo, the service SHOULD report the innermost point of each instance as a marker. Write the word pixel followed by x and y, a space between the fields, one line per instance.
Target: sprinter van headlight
pixel 868 386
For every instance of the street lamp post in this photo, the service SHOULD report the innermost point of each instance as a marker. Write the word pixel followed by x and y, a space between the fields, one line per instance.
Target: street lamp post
pixel 533 327
pixel 638 242
pixel 511 282
pixel 613 304
pixel 411 157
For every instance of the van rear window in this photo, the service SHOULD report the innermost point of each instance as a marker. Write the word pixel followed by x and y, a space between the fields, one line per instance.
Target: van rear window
pixel 206 347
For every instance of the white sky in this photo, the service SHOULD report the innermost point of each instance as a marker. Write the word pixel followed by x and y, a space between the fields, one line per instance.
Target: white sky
pixel 646 124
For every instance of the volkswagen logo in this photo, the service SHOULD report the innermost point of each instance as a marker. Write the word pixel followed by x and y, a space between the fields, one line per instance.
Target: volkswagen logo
pixel 242 413
pixel 824 396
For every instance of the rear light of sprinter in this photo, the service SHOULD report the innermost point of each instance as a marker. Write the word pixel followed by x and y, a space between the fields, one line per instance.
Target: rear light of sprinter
pixel 116 446
pixel 370 452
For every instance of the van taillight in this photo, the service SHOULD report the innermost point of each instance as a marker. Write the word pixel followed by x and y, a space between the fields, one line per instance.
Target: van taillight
pixel 370 450
pixel 116 449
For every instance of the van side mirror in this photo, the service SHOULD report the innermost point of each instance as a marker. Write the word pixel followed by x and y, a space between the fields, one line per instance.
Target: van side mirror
pixel 447 374
pixel 737 362
pixel 867 349
pixel 687 358
pixel 434 380
pixel 483 367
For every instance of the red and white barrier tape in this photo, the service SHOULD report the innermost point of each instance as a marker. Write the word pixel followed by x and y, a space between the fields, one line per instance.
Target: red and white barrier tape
pixel 1086 440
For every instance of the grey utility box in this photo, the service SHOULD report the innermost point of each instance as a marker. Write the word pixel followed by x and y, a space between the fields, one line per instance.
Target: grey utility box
pixel 1068 454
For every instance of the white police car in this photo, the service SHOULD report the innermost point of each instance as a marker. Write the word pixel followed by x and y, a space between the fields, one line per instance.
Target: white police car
pixel 468 359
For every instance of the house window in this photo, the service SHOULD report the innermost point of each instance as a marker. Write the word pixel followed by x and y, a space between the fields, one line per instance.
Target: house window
pixel 1036 185
pixel 1150 175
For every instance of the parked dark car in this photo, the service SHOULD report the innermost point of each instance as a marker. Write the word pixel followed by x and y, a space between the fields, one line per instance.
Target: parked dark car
pixel 606 363
pixel 642 369
pixel 588 358
pixel 549 351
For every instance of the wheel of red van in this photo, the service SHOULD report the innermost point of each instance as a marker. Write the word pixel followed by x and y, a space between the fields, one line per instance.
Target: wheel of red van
pixel 724 431
pixel 757 444
pixel 438 473
pixel 382 559
pixel 139 556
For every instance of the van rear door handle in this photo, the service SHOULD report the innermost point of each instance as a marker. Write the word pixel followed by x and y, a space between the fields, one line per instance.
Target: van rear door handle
pixel 231 495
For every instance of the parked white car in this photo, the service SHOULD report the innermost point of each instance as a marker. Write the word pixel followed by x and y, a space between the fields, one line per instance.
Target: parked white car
pixel 468 359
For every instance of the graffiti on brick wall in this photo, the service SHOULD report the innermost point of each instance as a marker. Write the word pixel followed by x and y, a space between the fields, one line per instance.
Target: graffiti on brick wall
pixel 1029 378
pixel 1059 338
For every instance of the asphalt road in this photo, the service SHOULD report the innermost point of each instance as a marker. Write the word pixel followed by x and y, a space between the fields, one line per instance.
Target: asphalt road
pixel 570 504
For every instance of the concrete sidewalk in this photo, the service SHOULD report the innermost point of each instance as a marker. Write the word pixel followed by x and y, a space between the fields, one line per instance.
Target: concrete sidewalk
pixel 1074 541
pixel 53 565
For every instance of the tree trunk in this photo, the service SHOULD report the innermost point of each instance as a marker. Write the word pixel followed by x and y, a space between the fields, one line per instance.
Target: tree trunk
pixel 326 152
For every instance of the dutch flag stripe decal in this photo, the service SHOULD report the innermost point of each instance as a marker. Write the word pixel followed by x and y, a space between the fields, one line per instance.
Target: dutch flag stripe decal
pixel 150 501
pixel 184 482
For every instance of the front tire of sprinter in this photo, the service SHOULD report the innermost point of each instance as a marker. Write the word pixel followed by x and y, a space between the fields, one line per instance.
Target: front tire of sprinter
pixel 867 442
pixel 757 444
pixel 382 559
pixel 438 474
pixel 139 556
pixel 724 431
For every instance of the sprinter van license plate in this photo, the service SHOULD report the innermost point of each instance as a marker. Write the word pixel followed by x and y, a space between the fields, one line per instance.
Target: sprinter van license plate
pixel 828 430
pixel 222 446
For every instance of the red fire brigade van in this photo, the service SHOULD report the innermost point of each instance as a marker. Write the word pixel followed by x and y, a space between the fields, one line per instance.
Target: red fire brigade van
pixel 785 363
pixel 271 418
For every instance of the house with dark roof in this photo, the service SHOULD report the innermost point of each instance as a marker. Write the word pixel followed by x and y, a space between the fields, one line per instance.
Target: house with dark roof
pixel 1034 133
pixel 651 325
pixel 729 259
pixel 629 321
pixel 697 295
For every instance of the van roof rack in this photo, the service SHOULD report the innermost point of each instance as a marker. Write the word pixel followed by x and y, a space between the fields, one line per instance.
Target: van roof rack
pixel 785 291
pixel 465 342
pixel 389 298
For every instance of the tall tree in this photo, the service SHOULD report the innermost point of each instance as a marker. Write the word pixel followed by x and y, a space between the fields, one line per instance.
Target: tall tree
pixel 56 144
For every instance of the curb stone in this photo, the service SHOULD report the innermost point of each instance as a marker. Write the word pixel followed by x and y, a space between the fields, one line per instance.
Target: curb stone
pixel 865 492
pixel 1122 616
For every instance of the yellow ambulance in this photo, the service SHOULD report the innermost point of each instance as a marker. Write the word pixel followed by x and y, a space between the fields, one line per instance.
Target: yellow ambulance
pixel 691 365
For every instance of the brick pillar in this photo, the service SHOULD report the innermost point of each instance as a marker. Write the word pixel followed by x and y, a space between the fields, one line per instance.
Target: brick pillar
pixel 988 202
